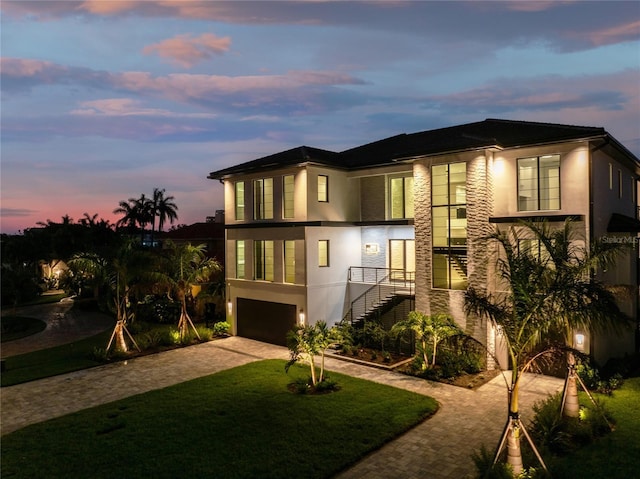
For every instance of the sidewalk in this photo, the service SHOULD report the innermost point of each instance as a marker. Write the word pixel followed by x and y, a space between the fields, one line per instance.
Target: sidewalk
pixel 437 448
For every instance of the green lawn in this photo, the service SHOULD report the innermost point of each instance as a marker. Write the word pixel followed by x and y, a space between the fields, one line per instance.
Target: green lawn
pixel 617 455
pixel 16 327
pixel 239 423
pixel 52 361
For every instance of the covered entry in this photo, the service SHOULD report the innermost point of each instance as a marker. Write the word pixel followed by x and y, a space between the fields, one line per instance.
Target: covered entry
pixel 265 321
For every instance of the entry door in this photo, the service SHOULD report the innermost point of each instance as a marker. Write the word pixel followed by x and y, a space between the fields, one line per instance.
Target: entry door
pixel 402 255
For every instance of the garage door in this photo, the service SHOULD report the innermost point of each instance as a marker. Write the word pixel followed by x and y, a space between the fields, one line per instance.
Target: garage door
pixel 265 321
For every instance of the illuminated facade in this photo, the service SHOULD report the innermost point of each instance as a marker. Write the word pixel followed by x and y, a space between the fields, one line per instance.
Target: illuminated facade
pixel 309 230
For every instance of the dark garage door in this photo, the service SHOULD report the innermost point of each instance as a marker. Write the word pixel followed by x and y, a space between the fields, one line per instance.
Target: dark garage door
pixel 265 321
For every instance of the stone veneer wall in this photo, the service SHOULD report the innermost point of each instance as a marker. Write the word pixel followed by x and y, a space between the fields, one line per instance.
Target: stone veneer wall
pixel 479 207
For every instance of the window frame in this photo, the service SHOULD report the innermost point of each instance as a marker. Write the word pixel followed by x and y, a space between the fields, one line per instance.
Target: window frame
pixel 241 244
pixel 289 262
pixel 239 200
pixel 406 197
pixel 263 269
pixel 324 198
pixel 288 212
pixel 262 208
pixel 323 262
pixel 538 177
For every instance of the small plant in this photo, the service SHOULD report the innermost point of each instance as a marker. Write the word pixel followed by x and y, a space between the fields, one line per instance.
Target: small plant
pixel 100 355
pixel 206 334
pixel 221 328
pixel 301 385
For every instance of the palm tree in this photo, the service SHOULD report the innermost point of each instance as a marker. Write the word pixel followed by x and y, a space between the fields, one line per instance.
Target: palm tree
pixel 123 272
pixel 305 342
pixel 522 314
pixel 136 212
pixel 581 301
pixel 434 327
pixel 164 208
pixel 185 266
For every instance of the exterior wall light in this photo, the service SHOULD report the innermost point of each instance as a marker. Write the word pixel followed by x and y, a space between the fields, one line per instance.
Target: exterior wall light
pixel 580 341
pixel 229 307
pixel 301 317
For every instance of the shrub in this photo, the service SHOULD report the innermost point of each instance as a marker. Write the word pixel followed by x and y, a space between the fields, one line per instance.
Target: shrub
pixel 205 333
pixel 100 355
pixel 221 328
pixel 158 310
pixel 483 461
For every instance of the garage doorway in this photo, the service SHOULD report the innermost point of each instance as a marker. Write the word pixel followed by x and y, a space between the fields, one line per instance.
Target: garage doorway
pixel 265 321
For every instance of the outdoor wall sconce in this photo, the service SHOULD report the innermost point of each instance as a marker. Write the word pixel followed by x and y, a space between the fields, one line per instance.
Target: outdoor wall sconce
pixel 580 341
pixel 229 307
pixel 301 317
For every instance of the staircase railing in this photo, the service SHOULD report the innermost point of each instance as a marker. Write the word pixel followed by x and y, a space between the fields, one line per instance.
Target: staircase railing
pixel 387 282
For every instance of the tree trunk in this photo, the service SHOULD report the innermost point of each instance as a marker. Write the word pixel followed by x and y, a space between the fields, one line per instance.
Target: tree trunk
pixel 570 403
pixel 514 452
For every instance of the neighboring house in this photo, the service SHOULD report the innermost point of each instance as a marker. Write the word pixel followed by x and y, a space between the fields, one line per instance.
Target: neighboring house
pixel 209 233
pixel 308 231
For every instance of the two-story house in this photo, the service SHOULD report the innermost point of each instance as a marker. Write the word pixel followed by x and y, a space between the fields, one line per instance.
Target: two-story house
pixel 310 232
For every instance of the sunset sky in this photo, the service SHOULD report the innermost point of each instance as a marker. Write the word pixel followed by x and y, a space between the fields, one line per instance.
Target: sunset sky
pixel 105 100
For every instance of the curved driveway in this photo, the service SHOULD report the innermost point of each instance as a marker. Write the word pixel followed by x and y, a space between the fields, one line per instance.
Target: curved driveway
pixel 439 447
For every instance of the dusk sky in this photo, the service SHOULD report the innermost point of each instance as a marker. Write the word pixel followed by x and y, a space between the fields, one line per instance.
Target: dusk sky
pixel 105 100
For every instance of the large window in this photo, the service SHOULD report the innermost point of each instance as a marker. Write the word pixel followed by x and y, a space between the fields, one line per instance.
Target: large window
pixel 402 259
pixel 240 272
pixel 401 192
pixel 263 258
pixel 289 261
pixel 449 224
pixel 239 200
pixel 323 253
pixel 539 183
pixel 323 188
pixel 287 196
pixel 263 199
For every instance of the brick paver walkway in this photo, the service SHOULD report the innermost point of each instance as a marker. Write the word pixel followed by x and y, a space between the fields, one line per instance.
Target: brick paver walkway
pixel 437 448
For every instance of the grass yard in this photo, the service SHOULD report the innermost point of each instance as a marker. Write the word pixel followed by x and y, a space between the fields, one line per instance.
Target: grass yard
pixel 617 455
pixel 239 423
pixel 16 327
pixel 52 361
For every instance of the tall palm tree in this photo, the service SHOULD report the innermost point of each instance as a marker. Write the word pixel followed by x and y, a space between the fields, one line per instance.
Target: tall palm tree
pixel 581 301
pixel 522 313
pixel 185 266
pixel 136 213
pixel 164 208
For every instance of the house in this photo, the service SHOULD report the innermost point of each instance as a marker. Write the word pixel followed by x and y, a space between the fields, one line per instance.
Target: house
pixel 210 233
pixel 317 235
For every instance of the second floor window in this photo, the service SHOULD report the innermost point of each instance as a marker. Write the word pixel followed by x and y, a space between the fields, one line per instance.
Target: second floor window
pixel 289 261
pixel 240 272
pixel 287 196
pixel 323 188
pixel 239 200
pixel 263 259
pixel 539 183
pixel 401 192
pixel 263 199
pixel 323 253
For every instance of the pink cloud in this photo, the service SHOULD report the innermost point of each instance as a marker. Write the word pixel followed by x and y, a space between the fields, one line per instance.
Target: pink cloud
pixel 619 33
pixel 129 107
pixel 186 50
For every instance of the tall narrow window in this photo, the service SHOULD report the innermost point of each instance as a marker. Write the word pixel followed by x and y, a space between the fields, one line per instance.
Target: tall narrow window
pixel 610 176
pixel 287 196
pixel 401 191
pixel 619 183
pixel 323 253
pixel 539 183
pixel 263 258
pixel 239 200
pixel 449 225
pixel 289 261
pixel 263 199
pixel 323 188
pixel 240 272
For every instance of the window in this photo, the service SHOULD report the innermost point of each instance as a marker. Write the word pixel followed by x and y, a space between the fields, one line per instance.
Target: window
pixel 610 176
pixel 240 273
pixel 263 199
pixel 402 259
pixel 263 258
pixel 619 183
pixel 323 253
pixel 539 183
pixel 287 196
pixel 401 191
pixel 449 225
pixel 289 261
pixel 239 200
pixel 323 188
